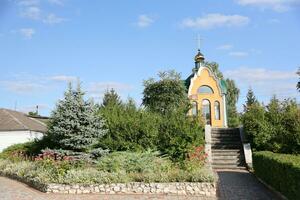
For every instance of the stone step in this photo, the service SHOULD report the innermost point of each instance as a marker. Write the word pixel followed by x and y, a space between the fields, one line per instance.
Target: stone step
pixel 225 131
pixel 227 157
pixel 227 151
pixel 218 141
pixel 226 146
pixel 224 136
pixel 229 167
pixel 227 161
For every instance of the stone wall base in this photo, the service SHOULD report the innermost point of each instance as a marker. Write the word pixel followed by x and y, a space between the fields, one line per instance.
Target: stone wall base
pixel 182 188
pixel 176 188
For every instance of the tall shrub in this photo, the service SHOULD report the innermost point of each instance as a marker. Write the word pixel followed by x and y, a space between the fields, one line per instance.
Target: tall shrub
pixel 74 124
pixel 178 133
pixel 129 127
pixel 275 127
pixel 166 94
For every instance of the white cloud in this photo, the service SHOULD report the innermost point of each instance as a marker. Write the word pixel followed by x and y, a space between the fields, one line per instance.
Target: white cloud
pixel 27 32
pixel 215 20
pixel 30 9
pixel 63 78
pixel 238 53
pixel 99 88
pixel 254 75
pixel 31 12
pixel 264 82
pixel 225 47
pixel 53 19
pixel 144 21
pixel 28 2
pixel 276 5
pixel 22 87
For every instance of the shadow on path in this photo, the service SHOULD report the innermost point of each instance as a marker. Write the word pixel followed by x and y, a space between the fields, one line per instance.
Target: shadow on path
pixel 241 184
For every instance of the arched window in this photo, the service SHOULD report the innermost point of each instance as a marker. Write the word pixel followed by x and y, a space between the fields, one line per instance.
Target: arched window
pixel 194 108
pixel 204 89
pixel 206 111
pixel 217 110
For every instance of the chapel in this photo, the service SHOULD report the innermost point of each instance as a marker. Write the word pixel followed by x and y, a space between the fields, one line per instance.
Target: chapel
pixel 207 93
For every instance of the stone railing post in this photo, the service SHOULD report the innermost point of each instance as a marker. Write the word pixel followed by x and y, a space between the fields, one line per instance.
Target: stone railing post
pixel 246 148
pixel 208 143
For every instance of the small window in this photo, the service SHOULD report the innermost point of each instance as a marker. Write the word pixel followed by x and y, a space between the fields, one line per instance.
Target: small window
pixel 194 108
pixel 217 110
pixel 204 89
pixel 206 111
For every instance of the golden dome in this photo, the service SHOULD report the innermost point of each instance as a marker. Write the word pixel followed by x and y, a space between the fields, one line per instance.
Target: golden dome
pixel 199 57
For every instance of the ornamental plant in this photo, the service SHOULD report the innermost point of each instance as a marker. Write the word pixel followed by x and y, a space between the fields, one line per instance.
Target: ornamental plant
pixel 74 124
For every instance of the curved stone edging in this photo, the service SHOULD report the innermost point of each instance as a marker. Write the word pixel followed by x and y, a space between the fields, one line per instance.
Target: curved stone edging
pixel 178 188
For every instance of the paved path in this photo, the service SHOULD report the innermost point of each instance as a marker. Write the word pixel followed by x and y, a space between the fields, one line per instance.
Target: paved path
pixel 240 184
pixel 233 185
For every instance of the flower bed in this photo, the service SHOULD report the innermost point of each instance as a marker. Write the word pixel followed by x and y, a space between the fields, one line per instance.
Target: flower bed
pixel 91 180
pixel 119 172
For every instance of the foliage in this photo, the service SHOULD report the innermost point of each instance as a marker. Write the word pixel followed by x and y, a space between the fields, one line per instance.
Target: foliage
pixel 231 97
pixel 298 84
pixel 281 171
pixel 166 94
pixel 12 151
pixel 129 127
pixel 74 124
pixel 179 134
pixel 117 167
pixel 197 156
pixel 251 99
pixel 231 100
pixel 111 98
pixel 275 127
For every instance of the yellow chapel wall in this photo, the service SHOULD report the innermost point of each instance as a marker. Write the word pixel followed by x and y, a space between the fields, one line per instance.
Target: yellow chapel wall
pixel 206 79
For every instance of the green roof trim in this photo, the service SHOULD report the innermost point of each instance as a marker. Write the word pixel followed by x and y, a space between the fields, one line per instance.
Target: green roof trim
pixel 223 86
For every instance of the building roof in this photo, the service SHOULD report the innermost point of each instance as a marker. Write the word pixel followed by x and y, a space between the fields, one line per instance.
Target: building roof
pixel 17 121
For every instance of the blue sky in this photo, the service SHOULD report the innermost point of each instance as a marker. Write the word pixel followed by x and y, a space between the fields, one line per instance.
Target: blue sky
pixel 46 43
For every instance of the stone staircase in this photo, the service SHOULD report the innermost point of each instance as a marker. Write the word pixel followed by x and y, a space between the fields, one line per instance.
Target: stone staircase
pixel 227 149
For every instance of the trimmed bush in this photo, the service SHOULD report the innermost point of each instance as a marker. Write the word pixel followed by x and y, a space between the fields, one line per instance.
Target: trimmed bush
pixel 281 171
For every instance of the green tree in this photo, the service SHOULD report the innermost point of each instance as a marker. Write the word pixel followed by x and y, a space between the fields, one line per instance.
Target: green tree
pixel 232 95
pixel 74 124
pixel 166 94
pixel 251 99
pixel 111 97
pixel 257 127
pixel 129 127
pixel 179 133
pixel 298 84
pixel 231 100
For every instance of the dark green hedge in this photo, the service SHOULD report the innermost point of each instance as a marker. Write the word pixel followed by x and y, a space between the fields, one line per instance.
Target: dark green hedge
pixel 281 171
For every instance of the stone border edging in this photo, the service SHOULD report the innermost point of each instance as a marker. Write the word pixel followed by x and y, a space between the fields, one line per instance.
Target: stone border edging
pixel 205 189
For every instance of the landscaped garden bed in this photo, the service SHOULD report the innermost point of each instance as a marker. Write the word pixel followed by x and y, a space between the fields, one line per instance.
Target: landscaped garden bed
pixel 120 172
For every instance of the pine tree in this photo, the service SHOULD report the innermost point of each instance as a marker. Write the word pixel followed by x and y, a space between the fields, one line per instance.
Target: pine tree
pixel 74 124
pixel 251 99
pixel 111 98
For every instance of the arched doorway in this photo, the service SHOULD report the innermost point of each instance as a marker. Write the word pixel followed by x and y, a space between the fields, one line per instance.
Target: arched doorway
pixel 206 113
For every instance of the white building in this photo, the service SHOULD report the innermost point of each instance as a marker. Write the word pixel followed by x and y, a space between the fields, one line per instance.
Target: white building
pixel 17 127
